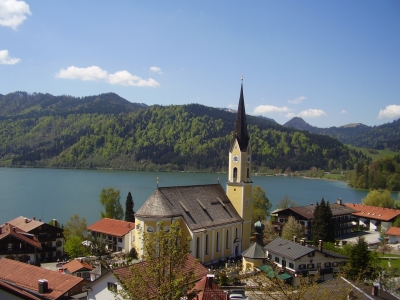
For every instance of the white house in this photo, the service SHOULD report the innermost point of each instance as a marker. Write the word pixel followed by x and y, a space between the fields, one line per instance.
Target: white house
pixel 116 234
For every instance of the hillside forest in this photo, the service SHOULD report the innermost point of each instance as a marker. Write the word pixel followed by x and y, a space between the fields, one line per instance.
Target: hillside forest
pixel 107 131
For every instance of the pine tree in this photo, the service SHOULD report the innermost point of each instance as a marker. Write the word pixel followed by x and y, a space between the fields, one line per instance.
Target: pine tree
pixel 322 226
pixel 129 212
pixel 359 259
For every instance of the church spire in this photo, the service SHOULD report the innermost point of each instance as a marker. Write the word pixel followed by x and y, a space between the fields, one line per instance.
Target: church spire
pixel 241 133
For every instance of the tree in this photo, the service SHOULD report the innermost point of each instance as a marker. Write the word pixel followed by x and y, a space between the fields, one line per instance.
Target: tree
pixel 129 212
pixel 75 233
pixel 359 259
pixel 379 199
pixel 261 204
pixel 164 272
pixel 286 202
pixel 76 226
pixel 292 228
pixel 110 199
pixel 269 232
pixel 322 226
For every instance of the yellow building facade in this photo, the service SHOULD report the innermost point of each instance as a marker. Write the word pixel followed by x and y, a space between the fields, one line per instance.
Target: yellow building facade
pixel 218 222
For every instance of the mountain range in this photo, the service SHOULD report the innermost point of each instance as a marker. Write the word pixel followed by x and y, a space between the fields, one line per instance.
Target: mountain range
pixel 107 131
pixel 382 137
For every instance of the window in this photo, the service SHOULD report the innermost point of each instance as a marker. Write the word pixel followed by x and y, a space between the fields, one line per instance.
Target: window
pixel 110 237
pixel 227 239
pixel 236 231
pixel 98 234
pixel 10 246
pixel 59 243
pixel 302 266
pixel 248 173
pixel 335 264
pixel 283 263
pixel 310 266
pixel 311 254
pixel 206 244
pixel 104 236
pixel 277 259
pixel 217 242
pixel 119 249
pixel 234 174
pixel 111 286
pixel 197 247
pixel 327 265
pixel 119 240
pixel 291 265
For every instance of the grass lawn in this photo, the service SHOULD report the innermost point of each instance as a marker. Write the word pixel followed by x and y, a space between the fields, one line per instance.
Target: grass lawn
pixel 333 176
pixel 395 263
pixel 374 154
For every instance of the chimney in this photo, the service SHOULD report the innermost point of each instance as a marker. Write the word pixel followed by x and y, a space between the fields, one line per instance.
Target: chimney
pixel 312 204
pixel 295 239
pixel 339 201
pixel 33 218
pixel 55 222
pixel 320 245
pixel 40 220
pixel 210 280
pixel 303 241
pixel 43 286
pixel 26 220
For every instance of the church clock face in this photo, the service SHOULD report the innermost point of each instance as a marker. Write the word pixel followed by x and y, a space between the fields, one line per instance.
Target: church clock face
pixel 248 159
pixel 235 159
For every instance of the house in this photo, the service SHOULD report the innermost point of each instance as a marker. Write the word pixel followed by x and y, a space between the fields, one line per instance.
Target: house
pixel 298 258
pixel 218 222
pixel 109 281
pixel 342 218
pixel 208 289
pixel 25 280
pixel 374 218
pixel 253 257
pixel 18 245
pixel 393 233
pixel 50 236
pixel 79 268
pixel 115 234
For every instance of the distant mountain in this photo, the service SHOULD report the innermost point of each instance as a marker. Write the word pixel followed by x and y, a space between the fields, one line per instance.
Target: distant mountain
pixel 107 131
pixel 386 136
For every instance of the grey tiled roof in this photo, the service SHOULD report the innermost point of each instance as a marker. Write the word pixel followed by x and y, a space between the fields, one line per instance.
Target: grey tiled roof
pixel 254 251
pixel 287 248
pixel 292 250
pixel 201 206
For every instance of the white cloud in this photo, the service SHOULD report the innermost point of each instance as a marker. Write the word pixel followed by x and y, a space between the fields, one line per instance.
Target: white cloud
pixel 5 59
pixel 13 13
pixel 89 73
pixel 391 112
pixel 265 109
pixel 290 115
pixel 297 100
pixel 95 73
pixel 343 111
pixel 156 70
pixel 311 113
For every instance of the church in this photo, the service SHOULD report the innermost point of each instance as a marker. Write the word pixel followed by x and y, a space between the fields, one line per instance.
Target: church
pixel 218 222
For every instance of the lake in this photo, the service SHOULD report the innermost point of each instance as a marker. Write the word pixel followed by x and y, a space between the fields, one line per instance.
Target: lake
pixel 58 194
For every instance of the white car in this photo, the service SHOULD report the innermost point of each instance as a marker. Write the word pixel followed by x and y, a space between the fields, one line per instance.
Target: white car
pixel 237 297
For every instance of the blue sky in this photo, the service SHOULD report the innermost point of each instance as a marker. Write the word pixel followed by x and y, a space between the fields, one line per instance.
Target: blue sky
pixel 329 62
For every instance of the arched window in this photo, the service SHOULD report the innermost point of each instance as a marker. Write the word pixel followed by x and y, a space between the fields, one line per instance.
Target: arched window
pixel 248 173
pixel 236 233
pixel 227 239
pixel 234 174
pixel 207 244
pixel 217 242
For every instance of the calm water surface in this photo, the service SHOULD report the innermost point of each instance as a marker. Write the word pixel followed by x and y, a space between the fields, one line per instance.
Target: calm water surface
pixel 58 194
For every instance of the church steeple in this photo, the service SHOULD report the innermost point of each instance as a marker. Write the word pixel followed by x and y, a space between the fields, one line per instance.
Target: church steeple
pixel 241 133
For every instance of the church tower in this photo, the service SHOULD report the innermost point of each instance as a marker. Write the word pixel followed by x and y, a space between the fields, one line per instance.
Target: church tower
pixel 239 186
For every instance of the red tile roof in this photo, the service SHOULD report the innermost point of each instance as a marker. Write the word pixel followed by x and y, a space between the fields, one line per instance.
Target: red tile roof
pixel 26 277
pixel 200 271
pixel 208 289
pixel 373 212
pixel 75 265
pixel 393 231
pixel 112 227
pixel 7 230
pixel 17 291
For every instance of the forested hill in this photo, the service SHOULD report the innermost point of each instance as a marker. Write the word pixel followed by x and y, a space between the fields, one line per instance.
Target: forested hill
pixel 383 137
pixel 107 131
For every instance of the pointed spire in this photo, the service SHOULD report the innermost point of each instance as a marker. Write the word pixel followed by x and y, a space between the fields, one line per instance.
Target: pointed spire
pixel 241 133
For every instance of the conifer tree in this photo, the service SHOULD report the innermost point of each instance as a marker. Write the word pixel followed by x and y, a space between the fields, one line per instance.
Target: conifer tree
pixel 322 226
pixel 129 212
